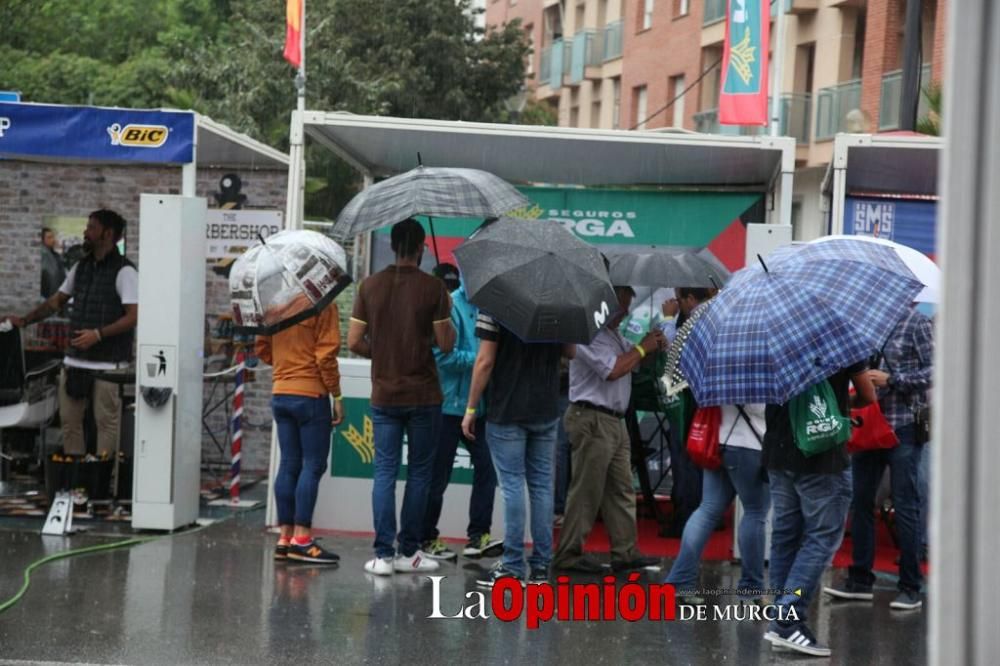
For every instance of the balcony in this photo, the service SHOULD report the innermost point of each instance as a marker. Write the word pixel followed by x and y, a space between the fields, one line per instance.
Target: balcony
pixel 715 10
pixel 795 115
pixel 832 106
pixel 892 95
pixel 586 51
pixel 613 40
pixel 550 68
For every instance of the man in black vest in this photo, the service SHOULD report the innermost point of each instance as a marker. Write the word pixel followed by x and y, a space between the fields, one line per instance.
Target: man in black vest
pixel 104 287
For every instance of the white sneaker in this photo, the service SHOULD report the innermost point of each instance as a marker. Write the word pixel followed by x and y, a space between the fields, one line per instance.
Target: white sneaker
pixel 419 562
pixel 380 566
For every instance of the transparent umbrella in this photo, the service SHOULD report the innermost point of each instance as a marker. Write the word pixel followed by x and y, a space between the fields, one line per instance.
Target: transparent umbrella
pixel 286 279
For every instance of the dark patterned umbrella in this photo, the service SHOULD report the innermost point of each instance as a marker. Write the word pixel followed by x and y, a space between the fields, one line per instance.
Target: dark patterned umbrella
pixel 538 280
pixel 673 381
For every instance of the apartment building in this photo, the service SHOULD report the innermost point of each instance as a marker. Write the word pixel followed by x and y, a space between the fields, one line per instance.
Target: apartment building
pixel 619 63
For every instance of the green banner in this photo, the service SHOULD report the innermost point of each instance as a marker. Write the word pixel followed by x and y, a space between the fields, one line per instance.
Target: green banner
pixel 352 451
pixel 628 217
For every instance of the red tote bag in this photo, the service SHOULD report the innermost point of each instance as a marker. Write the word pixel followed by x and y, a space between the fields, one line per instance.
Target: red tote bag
pixel 703 438
pixel 872 431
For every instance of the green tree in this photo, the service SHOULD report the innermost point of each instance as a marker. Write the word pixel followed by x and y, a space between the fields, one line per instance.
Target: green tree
pixel 409 58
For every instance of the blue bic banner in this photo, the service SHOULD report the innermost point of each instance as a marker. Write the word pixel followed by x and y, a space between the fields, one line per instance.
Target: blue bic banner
pixel 91 133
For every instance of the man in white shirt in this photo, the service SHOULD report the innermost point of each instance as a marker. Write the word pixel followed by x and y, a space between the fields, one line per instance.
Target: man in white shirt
pixel 104 288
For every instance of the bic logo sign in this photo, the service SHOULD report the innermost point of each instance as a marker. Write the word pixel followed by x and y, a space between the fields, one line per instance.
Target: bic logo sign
pixel 138 136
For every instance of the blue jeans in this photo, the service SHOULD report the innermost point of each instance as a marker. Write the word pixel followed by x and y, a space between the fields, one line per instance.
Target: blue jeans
pixel 484 478
pixel 420 424
pixel 304 441
pixel 809 515
pixel 563 467
pixel 904 471
pixel 523 453
pixel 741 475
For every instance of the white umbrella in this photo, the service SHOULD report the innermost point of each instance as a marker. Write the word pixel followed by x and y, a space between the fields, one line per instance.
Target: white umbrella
pixel 287 278
pixel 922 266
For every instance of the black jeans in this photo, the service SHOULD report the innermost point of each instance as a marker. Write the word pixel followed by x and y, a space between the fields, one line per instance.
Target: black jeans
pixel 484 478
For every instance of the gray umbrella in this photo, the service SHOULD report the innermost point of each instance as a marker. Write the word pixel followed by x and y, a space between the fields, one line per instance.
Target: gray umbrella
pixel 538 280
pixel 661 269
pixel 431 191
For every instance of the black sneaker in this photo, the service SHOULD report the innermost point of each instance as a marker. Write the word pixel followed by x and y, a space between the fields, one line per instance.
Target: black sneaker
pixel 312 553
pixel 796 637
pixel 498 571
pixel 850 589
pixel 637 563
pixel 281 551
pixel 540 575
pixel 907 600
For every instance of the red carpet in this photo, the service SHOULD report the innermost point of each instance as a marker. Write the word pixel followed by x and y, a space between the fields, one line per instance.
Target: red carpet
pixel 720 544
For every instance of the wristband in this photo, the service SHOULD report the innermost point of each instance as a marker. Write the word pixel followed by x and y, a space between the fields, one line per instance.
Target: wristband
pixel 100 337
pixel 642 352
pixel 338 398
pixel 470 411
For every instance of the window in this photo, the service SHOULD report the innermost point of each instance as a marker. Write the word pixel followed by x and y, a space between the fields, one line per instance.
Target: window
pixel 640 108
pixel 616 102
pixel 529 65
pixel 647 14
pixel 682 7
pixel 677 86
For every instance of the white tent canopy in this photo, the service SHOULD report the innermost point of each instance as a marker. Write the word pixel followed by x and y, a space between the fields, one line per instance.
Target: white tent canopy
pixel 381 146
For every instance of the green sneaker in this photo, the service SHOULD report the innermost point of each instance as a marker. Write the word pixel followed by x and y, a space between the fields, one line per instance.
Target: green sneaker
pixel 437 550
pixel 483 546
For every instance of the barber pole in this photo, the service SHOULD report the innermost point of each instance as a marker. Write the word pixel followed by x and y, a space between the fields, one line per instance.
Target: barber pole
pixel 234 470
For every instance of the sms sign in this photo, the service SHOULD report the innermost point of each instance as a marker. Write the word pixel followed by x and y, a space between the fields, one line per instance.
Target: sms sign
pixel 874 218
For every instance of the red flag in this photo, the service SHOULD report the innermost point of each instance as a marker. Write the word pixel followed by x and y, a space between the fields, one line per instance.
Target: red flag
pixel 293 32
pixel 743 98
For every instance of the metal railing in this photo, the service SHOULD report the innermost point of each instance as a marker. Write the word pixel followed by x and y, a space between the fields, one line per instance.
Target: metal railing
pixel 832 106
pixel 715 10
pixel 892 97
pixel 795 117
pixel 553 64
pixel 796 114
pixel 586 51
pixel 613 40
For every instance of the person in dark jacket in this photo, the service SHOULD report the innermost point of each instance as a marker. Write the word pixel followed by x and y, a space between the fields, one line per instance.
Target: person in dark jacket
pixel 455 374
pixel 53 270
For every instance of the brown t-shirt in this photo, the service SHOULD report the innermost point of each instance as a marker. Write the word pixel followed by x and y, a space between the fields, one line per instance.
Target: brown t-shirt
pixel 400 306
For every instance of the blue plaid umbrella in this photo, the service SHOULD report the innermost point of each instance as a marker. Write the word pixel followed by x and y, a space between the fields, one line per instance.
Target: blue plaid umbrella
pixel 774 331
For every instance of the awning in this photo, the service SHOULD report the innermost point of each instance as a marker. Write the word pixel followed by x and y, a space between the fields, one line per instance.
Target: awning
pixel 103 135
pixel 382 146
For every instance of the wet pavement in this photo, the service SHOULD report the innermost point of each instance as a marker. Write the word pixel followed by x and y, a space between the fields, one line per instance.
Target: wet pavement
pixel 215 596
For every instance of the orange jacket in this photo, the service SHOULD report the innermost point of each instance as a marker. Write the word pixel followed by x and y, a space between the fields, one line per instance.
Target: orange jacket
pixel 304 356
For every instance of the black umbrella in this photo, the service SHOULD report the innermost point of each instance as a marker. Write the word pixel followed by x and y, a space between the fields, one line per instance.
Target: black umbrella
pixel 538 280
pixel 661 269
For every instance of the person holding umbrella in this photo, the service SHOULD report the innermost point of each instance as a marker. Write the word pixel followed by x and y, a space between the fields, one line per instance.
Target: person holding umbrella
pixel 544 291
pixel 306 377
pixel 399 314
pixel 600 389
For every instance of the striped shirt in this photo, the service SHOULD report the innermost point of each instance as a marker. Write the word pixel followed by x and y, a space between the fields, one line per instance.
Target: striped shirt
pixel 907 357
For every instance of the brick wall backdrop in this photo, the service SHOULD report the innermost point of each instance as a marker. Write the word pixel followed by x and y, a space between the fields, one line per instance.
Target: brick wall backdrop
pixel 31 191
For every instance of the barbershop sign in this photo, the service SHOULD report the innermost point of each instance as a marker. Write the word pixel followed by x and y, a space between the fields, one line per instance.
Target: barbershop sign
pixel 230 233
